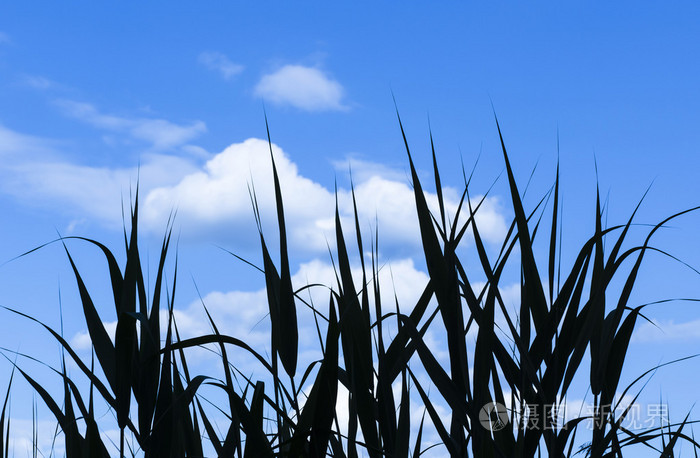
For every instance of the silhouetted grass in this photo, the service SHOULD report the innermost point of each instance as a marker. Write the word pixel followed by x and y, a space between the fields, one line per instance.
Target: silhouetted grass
pixel 529 365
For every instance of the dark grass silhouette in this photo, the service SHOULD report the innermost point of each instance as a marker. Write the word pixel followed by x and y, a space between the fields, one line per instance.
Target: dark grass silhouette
pixel 565 312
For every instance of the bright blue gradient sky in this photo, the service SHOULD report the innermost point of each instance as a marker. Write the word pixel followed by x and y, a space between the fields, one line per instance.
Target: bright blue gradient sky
pixel 89 93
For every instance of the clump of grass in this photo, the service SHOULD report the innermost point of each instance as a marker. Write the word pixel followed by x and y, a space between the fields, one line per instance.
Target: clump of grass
pixel 530 364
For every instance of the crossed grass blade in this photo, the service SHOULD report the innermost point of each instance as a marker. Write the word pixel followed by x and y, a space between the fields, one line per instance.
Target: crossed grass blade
pixel 535 295
pixel 76 444
pixel 587 326
pixel 316 419
pixel 136 367
pixel 441 269
pixel 148 365
pixel 356 340
pixel 536 367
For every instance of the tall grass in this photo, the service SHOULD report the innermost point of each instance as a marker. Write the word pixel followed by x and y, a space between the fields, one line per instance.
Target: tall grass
pixel 570 321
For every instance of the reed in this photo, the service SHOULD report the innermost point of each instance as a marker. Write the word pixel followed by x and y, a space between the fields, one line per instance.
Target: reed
pixel 529 365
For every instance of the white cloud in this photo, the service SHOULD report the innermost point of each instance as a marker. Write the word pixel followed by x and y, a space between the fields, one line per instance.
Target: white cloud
pixel 216 198
pixel 33 171
pixel 38 82
pixel 244 314
pixel 82 341
pixel 159 134
pixel 239 313
pixel 668 330
pixel 305 88
pixel 362 170
pixel 94 191
pixel 212 200
pixel 219 62
pixel 23 431
pixel 14 144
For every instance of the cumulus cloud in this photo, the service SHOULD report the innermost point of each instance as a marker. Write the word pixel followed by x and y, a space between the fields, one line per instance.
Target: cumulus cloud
pixel 363 170
pixel 244 313
pixel 212 199
pixel 82 341
pixel 159 134
pixel 305 88
pixel 217 198
pixel 218 62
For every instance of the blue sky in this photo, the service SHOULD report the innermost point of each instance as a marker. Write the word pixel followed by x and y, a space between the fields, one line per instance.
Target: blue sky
pixel 90 93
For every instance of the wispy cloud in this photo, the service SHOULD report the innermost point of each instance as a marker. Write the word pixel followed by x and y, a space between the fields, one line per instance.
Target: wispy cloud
pixel 4 38
pixel 34 171
pixel 212 199
pixel 667 331
pixel 17 144
pixel 159 134
pixel 218 62
pixel 95 192
pixel 305 88
pixel 38 82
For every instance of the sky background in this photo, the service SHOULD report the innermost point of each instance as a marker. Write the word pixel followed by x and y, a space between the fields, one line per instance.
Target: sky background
pixel 95 97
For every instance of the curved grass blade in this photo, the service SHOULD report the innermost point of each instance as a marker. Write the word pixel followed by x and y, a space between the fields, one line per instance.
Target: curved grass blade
pixel 101 342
